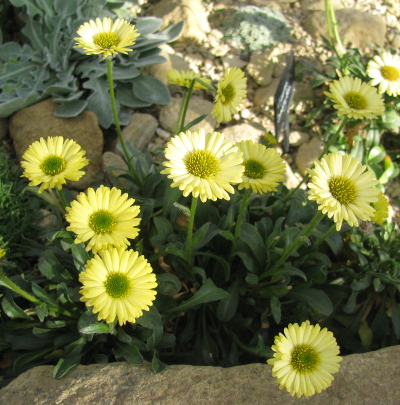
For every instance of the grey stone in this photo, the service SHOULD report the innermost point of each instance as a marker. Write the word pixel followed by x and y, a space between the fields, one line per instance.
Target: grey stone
pixel 192 11
pixel 241 132
pixel 307 154
pixel 112 159
pixel 261 67
pixel 197 106
pixel 358 28
pixel 32 123
pixel 364 379
pixel 140 130
pixel 296 138
pixel 265 95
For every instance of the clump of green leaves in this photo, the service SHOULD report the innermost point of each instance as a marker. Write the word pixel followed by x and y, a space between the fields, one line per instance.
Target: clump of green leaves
pixel 256 28
pixel 48 65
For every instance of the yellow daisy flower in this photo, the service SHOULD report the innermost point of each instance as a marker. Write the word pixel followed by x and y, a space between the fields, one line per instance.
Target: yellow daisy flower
pixel 118 284
pixel 381 209
pixel 204 165
pixel 385 71
pixel 184 78
pixel 305 359
pixel 355 99
pixel 104 218
pixel 52 161
pixel 343 189
pixel 263 167
pixel 230 92
pixel 107 37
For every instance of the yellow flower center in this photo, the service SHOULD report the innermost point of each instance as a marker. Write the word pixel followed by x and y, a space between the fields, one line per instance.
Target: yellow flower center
pixel 254 169
pixel 202 163
pixel 355 100
pixel 106 40
pixel 102 221
pixel 342 189
pixel 304 358
pixel 53 164
pixel 117 285
pixel 390 73
pixel 229 93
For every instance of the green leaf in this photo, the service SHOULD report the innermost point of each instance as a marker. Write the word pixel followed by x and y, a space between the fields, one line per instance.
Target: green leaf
pixel 194 122
pixel 203 235
pixel 150 319
pixel 227 235
pixel 168 284
pixel 317 299
pixel 208 292
pixel 376 154
pixel 176 252
pixel 70 109
pixel 79 256
pixel 154 340
pixel 151 90
pixel 227 307
pixel 64 365
pixel 148 25
pixel 27 358
pixel 156 364
pixel 42 295
pixel 129 352
pixel 250 235
pixel 11 309
pixel 89 324
pixel 42 311
pixel 276 308
pixel 164 229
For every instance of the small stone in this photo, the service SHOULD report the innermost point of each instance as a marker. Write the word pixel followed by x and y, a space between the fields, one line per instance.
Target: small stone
pixel 233 61
pixel 245 131
pixel 261 67
pixel 162 133
pixel 140 130
pixel 297 138
pixel 265 95
pixel 307 154
pixel 112 159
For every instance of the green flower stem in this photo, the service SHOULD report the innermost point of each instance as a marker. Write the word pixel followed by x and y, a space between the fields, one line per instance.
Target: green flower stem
pixel 252 350
pixel 138 182
pixel 333 36
pixel 57 201
pixel 64 202
pixel 326 149
pixel 190 232
pixel 12 286
pixel 326 235
pixel 245 202
pixel 296 244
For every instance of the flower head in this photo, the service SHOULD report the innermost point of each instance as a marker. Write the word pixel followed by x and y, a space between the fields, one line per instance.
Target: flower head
pixel 203 164
pixel 52 161
pixel 343 189
pixel 118 283
pixel 184 78
pixel 355 99
pixel 385 71
pixel 230 92
pixel 381 209
pixel 263 167
pixel 107 37
pixel 104 217
pixel 305 359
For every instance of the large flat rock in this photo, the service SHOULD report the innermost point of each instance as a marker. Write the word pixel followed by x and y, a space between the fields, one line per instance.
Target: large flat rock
pixel 364 379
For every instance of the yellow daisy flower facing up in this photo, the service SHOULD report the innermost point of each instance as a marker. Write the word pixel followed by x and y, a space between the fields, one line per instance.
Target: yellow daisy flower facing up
pixel 106 37
pixel 263 167
pixel 51 162
pixel 204 165
pixel 104 218
pixel 385 71
pixel 119 285
pixel 230 92
pixel 343 189
pixel 184 78
pixel 305 359
pixel 381 209
pixel 355 99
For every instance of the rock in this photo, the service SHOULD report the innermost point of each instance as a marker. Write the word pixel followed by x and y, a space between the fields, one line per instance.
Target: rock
pixel 265 95
pixel 364 379
pixel 233 61
pixel 140 130
pixel 112 159
pixel 297 138
pixel 197 106
pixel 291 180
pixel 32 123
pixel 309 5
pixel 261 67
pixel 3 128
pixel 192 11
pixel 356 28
pixel 241 132
pixel 307 154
